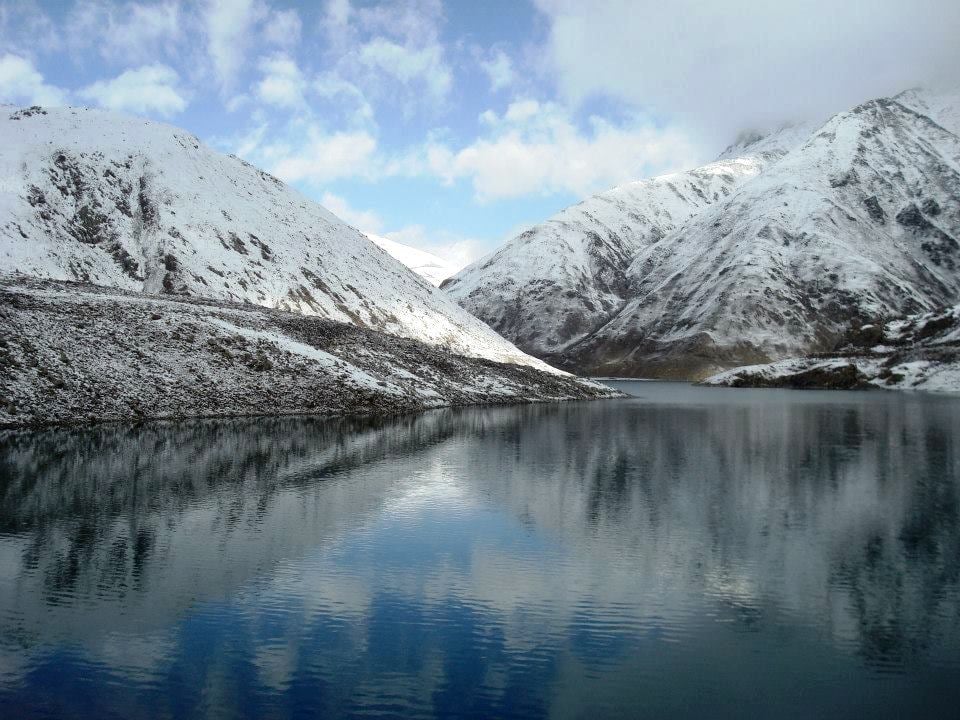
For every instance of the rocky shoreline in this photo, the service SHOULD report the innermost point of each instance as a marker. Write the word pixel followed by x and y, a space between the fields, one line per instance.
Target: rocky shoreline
pixel 921 352
pixel 77 353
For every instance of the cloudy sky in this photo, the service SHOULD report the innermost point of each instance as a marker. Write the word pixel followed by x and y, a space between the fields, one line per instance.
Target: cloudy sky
pixel 452 125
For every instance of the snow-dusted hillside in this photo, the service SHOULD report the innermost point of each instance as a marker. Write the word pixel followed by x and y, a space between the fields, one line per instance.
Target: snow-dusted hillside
pixel 860 221
pixel 76 353
pixel 558 282
pixel 921 352
pixel 114 200
pixel 427 265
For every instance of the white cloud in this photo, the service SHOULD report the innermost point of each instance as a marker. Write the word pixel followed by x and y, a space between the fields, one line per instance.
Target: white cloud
pixel 365 220
pixel 283 28
pixel 282 84
pixel 338 27
pixel 151 88
pixel 499 68
pixel 324 157
pixel 237 102
pixel 21 83
pixel 413 23
pixel 331 86
pixel 536 148
pixel 25 29
pixel 247 144
pixel 722 67
pixel 521 111
pixel 409 65
pixel 390 51
pixel 337 14
pixel 127 32
pixel 228 25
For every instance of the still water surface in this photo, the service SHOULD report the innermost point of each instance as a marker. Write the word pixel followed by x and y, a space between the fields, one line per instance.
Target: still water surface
pixel 684 553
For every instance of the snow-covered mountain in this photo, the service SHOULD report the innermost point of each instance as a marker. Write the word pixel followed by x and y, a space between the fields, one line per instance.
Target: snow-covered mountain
pixel 859 219
pixel 119 201
pixel 557 283
pixel 432 268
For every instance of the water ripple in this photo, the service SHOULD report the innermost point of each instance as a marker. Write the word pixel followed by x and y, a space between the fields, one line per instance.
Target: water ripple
pixel 682 555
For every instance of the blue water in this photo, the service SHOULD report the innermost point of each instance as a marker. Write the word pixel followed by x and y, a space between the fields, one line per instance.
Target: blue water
pixel 684 553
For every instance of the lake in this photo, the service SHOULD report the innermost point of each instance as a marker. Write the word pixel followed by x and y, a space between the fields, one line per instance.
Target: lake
pixel 686 552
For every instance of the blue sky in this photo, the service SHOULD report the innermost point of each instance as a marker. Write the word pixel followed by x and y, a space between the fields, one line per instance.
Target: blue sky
pixel 452 125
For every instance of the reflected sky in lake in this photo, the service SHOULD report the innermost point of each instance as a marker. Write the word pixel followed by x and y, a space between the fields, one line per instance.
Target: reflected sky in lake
pixel 688 553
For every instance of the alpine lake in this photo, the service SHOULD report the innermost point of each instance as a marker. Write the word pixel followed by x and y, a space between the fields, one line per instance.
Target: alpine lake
pixel 684 553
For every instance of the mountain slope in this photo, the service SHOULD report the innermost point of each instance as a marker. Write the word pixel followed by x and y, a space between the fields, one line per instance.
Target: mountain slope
pixel 427 265
pixel 860 221
pixel 113 200
pixel 941 106
pixel 556 283
pixel 77 353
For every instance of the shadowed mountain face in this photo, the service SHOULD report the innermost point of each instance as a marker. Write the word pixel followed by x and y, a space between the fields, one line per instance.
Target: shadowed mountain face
pixel 854 221
pixel 572 559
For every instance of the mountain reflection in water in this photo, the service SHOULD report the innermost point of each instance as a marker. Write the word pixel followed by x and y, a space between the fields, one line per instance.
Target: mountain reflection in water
pixel 689 552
